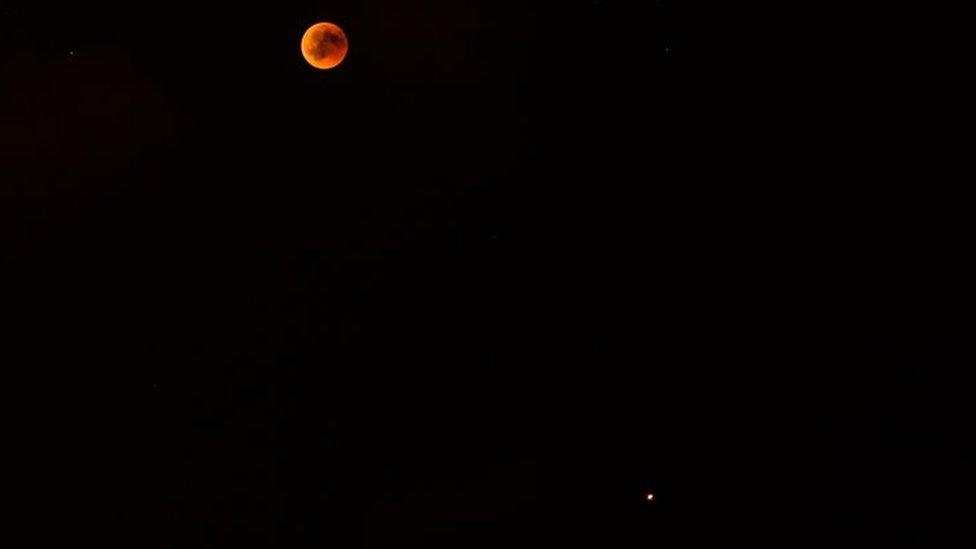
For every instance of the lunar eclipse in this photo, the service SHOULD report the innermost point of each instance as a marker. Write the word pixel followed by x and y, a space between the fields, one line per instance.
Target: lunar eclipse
pixel 269 238
pixel 324 45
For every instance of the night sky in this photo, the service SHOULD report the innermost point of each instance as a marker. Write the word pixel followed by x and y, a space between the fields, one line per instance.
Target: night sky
pixel 504 272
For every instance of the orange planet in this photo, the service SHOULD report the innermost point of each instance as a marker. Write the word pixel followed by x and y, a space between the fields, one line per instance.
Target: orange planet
pixel 324 45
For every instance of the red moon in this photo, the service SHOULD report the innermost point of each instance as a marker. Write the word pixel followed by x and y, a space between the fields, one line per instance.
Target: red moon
pixel 324 45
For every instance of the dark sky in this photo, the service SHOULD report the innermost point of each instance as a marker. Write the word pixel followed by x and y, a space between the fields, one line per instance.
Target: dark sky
pixel 504 271
pixel 277 307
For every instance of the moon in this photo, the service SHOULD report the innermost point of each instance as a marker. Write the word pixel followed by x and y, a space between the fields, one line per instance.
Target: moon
pixel 324 45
